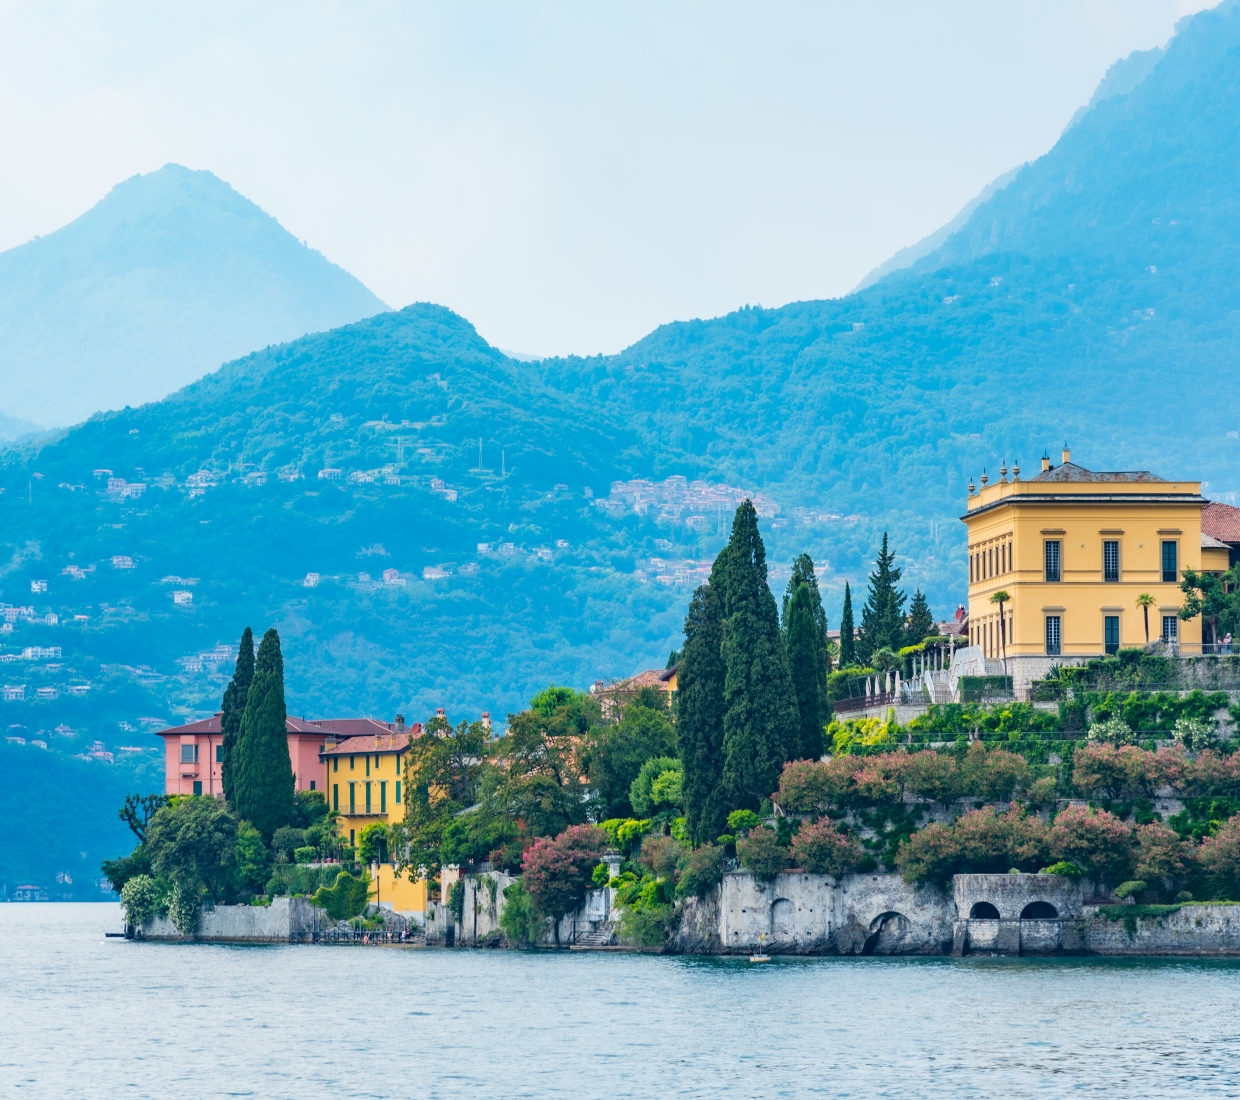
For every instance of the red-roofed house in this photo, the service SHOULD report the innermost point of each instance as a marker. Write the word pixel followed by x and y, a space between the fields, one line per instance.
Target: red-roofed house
pixel 1221 522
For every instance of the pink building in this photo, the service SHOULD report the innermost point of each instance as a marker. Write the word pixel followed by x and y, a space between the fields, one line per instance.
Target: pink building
pixel 193 755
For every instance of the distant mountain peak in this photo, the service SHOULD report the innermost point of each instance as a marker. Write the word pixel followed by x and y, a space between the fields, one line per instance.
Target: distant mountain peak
pixel 170 274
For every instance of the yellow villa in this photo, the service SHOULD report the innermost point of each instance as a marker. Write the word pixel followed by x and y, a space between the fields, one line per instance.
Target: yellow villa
pixel 363 777
pixel 1073 550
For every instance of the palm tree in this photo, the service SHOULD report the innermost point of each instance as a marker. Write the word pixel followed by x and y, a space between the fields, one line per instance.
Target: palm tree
pixel 1001 597
pixel 1145 601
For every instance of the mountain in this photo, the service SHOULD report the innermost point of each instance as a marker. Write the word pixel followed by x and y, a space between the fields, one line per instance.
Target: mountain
pixel 429 522
pixel 171 274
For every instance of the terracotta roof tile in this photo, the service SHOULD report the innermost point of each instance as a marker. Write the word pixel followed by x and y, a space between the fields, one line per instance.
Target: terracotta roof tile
pixel 1221 521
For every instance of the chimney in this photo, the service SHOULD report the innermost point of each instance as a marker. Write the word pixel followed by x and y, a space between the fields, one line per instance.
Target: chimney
pixel 329 742
pixel 400 723
pixel 440 712
pixel 1067 454
pixel 486 719
pixel 1046 463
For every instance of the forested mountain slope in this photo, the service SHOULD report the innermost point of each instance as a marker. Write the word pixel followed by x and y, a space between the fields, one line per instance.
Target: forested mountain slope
pixel 169 275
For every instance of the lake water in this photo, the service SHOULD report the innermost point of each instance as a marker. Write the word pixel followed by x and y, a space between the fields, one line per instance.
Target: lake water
pixel 85 1016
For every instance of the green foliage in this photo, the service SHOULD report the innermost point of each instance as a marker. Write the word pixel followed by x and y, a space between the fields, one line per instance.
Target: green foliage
pixel 139 899
pixel 615 754
pixel 743 821
pixel 119 871
pixel 848 637
pixel 263 783
pixel 1193 734
pixel 296 879
pixel 1112 731
pixel 288 839
pixel 308 854
pixel 920 620
pixel 519 920
pixel 233 707
pixel 822 849
pixel 882 616
pixel 805 637
pixel 138 810
pixel 762 854
pixel 251 859
pixel 760 711
pixel 193 844
pixel 658 787
pixel 702 873
pixel 559 870
pixel 861 733
pixel 456 901
pixel 183 908
pixel 975 688
pixel 1063 867
pixel 346 898
pixel 699 726
pixel 1127 889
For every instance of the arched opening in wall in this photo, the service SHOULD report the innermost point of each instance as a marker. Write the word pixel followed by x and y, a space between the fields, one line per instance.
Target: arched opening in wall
pixel 783 920
pixel 983 910
pixel 1039 910
pixel 884 929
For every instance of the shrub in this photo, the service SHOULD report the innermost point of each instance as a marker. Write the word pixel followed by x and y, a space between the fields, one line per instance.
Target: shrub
pixel 456 901
pixel 1096 840
pixel 138 898
pixel 992 775
pixel 558 871
pixel 1220 853
pixel 742 821
pixel 1161 853
pixel 807 787
pixel 307 854
pixel 1213 774
pixel 1063 867
pixel 1193 734
pixel 932 775
pixel 822 849
pixel 183 909
pixel 881 778
pixel 251 858
pixel 929 855
pixel 345 899
pixel 860 733
pixel 1044 790
pixel 287 839
pixel 1127 889
pixel 662 856
pixel 703 873
pixel 762 854
pixel 519 921
pixel 660 772
pixel 372 843
pixel 1112 731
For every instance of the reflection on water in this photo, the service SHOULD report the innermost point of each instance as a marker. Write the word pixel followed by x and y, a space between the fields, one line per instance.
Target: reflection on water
pixel 85 1016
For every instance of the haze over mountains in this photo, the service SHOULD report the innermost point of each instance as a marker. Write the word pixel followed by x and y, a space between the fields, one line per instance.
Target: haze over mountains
pixel 420 514
pixel 169 275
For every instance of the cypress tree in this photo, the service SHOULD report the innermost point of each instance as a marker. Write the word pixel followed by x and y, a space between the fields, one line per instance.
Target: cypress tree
pixel 848 644
pixel 920 621
pixel 882 617
pixel 807 666
pixel 263 783
pixel 699 722
pixel 760 721
pixel 233 706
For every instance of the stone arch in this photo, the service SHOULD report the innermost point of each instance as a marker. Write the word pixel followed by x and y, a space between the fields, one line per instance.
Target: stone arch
pixel 1039 910
pixel 983 910
pixel 783 920
pixel 886 926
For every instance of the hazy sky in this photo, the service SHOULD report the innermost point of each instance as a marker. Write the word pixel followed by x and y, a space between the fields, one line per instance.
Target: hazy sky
pixel 566 175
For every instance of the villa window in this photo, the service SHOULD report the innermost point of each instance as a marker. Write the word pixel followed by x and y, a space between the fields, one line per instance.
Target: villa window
pixel 1052 560
pixel 1170 564
pixel 1110 626
pixel 368 798
pixel 398 792
pixel 1053 635
pixel 352 799
pixel 352 762
pixel 197 786
pixel 1170 628
pixel 312 784
pixel 1110 561
pixel 383 796
pixel 336 797
pixel 219 754
pixel 368 763
pixel 189 754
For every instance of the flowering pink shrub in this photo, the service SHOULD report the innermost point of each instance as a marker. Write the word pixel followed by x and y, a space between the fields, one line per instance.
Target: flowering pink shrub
pixel 557 871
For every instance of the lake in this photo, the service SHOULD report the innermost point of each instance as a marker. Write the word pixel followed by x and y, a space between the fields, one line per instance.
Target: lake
pixel 92 1017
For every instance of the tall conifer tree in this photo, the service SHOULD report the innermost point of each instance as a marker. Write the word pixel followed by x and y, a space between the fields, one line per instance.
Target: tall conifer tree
pixel 920 620
pixel 805 638
pixel 848 641
pixel 263 783
pixel 233 707
pixel 760 721
pixel 882 617
pixel 699 717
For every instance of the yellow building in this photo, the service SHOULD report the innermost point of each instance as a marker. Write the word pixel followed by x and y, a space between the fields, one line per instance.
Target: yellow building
pixel 1073 549
pixel 363 778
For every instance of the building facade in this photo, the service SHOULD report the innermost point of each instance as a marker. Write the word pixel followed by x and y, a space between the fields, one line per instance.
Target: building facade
pixel 194 753
pixel 1071 550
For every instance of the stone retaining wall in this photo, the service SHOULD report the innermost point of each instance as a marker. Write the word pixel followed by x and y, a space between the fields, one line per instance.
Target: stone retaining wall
pixel 285 920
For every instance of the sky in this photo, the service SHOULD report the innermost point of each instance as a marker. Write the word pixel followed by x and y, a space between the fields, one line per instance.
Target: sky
pixel 567 176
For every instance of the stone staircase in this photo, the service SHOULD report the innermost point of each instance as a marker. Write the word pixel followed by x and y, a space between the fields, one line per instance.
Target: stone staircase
pixel 587 941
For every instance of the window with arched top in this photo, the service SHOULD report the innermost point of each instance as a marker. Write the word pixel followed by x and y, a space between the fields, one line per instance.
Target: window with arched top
pixel 1039 910
pixel 983 910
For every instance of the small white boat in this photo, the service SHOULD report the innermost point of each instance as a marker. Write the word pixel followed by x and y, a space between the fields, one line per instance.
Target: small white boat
pixel 760 956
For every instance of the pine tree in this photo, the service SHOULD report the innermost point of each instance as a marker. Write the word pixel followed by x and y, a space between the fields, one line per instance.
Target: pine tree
pixel 699 722
pixel 263 783
pixel 920 621
pixel 807 666
pixel 233 706
pixel 848 643
pixel 882 617
pixel 760 721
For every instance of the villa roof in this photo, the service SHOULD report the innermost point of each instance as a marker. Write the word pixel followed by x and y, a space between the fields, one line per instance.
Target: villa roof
pixel 1209 542
pixel 359 727
pixel 212 725
pixel 1221 521
pixel 1069 471
pixel 387 742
